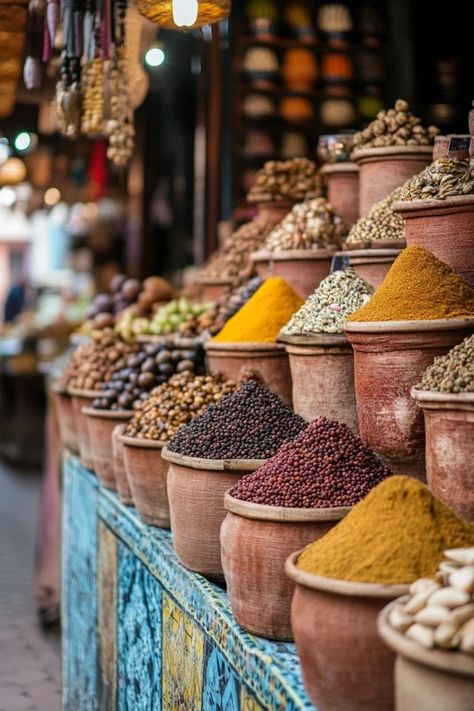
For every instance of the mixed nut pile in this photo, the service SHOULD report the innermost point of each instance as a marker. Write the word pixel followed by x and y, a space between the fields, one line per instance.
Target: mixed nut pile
pixel 444 178
pixel 94 363
pixel 310 225
pixel 453 372
pixel 395 127
pixel 279 180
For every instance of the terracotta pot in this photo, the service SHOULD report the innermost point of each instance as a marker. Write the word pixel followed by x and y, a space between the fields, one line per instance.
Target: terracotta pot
pixel 346 667
pixel 196 489
pixel 101 424
pixel 146 473
pixel 303 269
pixel 120 471
pixel 66 421
pixel 441 147
pixel 274 212
pixel 81 399
pixel 443 227
pixel 428 679
pixel 256 540
pixel 269 360
pixel 449 428
pixel 213 289
pixel 322 374
pixel 371 264
pixel 343 189
pixel 262 263
pixel 384 169
pixel 389 359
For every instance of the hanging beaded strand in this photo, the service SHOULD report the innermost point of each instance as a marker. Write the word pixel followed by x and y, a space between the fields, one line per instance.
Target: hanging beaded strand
pixel 122 131
pixel 93 75
pixel 68 89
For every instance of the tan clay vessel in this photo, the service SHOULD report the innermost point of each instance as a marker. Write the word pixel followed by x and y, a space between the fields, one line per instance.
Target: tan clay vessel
pixel 81 399
pixel 196 489
pixel 449 430
pixel 256 540
pixel 322 376
pixel 274 212
pixel 302 269
pixel 428 679
pixel 371 264
pixel 213 289
pixel 268 360
pixel 120 471
pixel 146 473
pixel 100 425
pixel 343 189
pixel 346 666
pixel 381 170
pixel 66 420
pixel 389 359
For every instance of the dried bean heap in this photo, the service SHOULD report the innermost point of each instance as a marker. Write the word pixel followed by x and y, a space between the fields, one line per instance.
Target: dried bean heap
pixel 439 612
pixel 175 403
pixel 453 372
pixel 251 423
pixel 444 178
pixel 93 364
pixel 325 311
pixel 395 127
pixel 309 225
pixel 381 222
pixel 279 180
pixel 326 466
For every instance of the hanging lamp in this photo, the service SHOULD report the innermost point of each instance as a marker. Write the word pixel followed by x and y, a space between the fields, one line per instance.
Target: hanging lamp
pixel 184 14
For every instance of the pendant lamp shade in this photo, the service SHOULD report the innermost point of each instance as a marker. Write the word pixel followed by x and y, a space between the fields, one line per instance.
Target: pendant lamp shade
pixel 174 14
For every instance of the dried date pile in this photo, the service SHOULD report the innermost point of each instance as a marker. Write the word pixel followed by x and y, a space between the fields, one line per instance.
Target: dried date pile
pixel 310 225
pixel 280 180
pixel 395 127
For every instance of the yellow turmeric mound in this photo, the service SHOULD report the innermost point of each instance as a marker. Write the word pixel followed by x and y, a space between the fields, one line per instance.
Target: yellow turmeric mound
pixel 263 316
pixel 418 286
pixel 395 535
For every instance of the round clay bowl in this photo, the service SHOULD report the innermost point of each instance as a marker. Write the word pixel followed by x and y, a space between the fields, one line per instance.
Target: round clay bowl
pixel 371 264
pixel 213 289
pixel 146 473
pixel 449 432
pixel 65 417
pixel 196 489
pixel 322 376
pixel 81 399
pixel 381 170
pixel 302 269
pixel 389 359
pixel 268 360
pixel 120 471
pixel 443 227
pixel 256 540
pixel 343 189
pixel 101 424
pixel 274 212
pixel 427 679
pixel 346 666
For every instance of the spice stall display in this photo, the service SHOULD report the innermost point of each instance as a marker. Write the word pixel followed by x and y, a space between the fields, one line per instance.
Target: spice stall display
pixel 395 535
pixel 420 311
pixel 209 455
pixel 293 499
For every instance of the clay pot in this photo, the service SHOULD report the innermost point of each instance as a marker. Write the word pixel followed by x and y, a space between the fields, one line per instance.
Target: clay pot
pixel 322 376
pixel 381 170
pixel 196 489
pixel 371 264
pixel 302 269
pixel 389 359
pixel 274 212
pixel 443 227
pixel 449 429
pixel 268 360
pixel 81 399
pixel 441 147
pixel 256 540
pixel 428 679
pixel 261 262
pixel 346 667
pixel 101 424
pixel 120 471
pixel 343 189
pixel 213 289
pixel 146 473
pixel 65 418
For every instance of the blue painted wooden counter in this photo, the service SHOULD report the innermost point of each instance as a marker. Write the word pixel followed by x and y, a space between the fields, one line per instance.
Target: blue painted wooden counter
pixel 142 633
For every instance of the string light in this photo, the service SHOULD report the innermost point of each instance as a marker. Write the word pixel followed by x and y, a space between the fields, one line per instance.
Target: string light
pixel 155 56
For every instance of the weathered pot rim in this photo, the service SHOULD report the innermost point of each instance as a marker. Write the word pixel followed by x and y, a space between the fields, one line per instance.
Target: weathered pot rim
pixel 292 255
pixel 375 245
pixel 430 399
pixel 140 443
pixel 314 339
pixel 441 324
pixel 218 465
pixel 89 394
pixel 340 587
pixel 372 253
pixel 439 206
pixel 262 512
pixel 107 414
pixel 376 153
pixel 244 347
pixel 344 166
pixel 453 661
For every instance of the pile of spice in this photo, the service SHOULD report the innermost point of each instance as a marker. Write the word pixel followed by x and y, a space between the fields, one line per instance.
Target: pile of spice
pixel 381 223
pixel 175 403
pixel 279 180
pixel 326 466
pixel 439 612
pixel 444 178
pixel 262 317
pixel 395 127
pixel 395 535
pixel 251 423
pixel 453 372
pixel 325 311
pixel 309 225
pixel 94 363
pixel 418 286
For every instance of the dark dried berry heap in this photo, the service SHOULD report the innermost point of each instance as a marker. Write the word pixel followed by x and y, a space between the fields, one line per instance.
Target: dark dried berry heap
pixel 251 423
pixel 326 466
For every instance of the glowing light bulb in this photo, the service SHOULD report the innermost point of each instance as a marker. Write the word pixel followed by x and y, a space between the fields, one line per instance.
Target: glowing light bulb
pixel 52 196
pixel 185 12
pixel 154 57
pixel 22 141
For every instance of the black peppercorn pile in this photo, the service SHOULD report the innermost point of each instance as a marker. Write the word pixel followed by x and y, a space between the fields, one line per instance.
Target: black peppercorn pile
pixel 326 466
pixel 251 423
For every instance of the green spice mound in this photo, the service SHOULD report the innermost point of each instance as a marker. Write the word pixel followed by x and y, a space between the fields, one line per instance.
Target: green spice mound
pixel 397 534
pixel 453 372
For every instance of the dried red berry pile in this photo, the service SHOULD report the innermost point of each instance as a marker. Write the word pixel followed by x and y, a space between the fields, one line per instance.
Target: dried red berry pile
pixel 326 466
